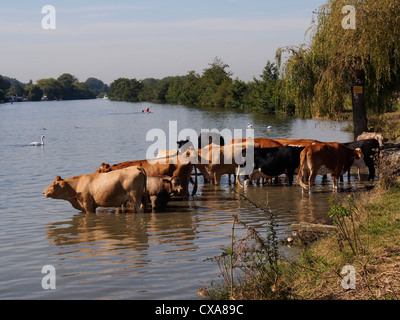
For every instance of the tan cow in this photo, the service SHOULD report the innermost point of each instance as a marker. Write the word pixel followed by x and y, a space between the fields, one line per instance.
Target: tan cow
pixel 179 166
pixel 323 158
pixel 214 161
pixel 114 189
pixel 160 189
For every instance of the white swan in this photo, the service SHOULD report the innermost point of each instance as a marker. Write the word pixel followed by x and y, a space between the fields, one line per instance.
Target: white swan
pixel 39 143
pixel 269 127
pixel 249 126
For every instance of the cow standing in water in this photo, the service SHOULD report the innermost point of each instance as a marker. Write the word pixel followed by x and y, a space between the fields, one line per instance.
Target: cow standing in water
pixel 160 189
pixel 114 189
pixel 272 162
pixel 323 158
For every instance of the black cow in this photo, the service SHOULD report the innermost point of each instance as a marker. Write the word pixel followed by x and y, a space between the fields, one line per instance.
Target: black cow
pixel 370 149
pixel 272 162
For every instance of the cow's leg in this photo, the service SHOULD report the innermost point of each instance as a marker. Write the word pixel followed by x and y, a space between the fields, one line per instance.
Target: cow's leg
pixel 289 177
pixel 217 178
pixel 153 200
pixel 334 182
pixel 371 168
pixel 311 179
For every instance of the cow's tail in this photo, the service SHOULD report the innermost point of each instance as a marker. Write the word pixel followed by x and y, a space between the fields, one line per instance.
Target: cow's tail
pixel 144 196
pixel 195 182
pixel 300 175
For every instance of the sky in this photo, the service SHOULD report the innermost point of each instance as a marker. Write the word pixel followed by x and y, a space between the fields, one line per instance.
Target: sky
pixel 147 39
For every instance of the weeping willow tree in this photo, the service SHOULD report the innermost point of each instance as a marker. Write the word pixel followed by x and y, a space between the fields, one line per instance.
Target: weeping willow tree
pixel 353 55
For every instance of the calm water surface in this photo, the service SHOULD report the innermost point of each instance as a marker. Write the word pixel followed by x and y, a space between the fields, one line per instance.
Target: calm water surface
pixel 128 256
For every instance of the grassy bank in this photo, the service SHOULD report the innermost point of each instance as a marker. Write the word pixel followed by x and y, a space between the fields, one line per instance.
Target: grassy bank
pixel 388 124
pixel 367 239
pixel 372 247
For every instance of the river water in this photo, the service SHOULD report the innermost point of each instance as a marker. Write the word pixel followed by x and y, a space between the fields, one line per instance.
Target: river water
pixel 129 256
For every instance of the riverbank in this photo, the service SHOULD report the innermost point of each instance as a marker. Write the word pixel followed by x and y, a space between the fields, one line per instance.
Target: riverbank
pixel 358 261
pixel 371 248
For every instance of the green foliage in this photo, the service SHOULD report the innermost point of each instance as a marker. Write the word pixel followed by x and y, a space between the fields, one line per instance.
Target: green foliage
pixel 33 92
pixel 124 89
pixel 319 76
pixel 66 87
pixel 97 86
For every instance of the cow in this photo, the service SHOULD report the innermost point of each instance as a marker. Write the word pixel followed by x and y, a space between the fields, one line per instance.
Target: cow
pixel 214 161
pixel 323 158
pixel 370 149
pixel 179 166
pixel 113 189
pixel 258 142
pixel 296 142
pixel 373 135
pixel 160 189
pixel 272 162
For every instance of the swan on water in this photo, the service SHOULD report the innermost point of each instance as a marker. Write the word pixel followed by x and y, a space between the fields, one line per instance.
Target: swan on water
pixel 249 126
pixel 41 143
pixel 269 127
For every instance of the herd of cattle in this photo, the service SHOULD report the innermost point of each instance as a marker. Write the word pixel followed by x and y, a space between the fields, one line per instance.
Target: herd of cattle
pixel 137 185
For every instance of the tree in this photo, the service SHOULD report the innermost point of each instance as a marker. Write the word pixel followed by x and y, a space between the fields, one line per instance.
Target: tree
pixel 97 86
pixel 236 94
pixel 361 62
pixel 191 89
pixel 124 89
pixel 51 88
pixel 16 90
pixel 214 84
pixel 33 92
pixel 264 93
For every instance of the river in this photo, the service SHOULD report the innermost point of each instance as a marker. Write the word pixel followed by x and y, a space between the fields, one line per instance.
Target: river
pixel 129 256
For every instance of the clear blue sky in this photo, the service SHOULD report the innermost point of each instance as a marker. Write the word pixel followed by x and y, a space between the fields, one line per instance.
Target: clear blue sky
pixel 143 39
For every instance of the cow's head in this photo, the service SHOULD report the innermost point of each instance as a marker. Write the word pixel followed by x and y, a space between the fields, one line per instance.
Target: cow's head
pixel 104 167
pixel 173 185
pixel 56 190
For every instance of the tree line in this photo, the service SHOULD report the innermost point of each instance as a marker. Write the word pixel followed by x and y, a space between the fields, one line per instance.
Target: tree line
pixel 213 88
pixel 65 87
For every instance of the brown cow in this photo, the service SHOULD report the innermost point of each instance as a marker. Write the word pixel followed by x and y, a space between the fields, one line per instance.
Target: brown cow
pixel 90 191
pixel 296 142
pixel 323 158
pixel 179 166
pixel 258 142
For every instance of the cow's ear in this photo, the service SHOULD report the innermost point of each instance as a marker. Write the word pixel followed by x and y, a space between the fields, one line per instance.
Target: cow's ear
pixel 58 178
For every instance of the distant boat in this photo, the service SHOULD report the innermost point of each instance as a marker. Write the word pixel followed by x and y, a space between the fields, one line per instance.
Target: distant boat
pixel 105 97
pixel 44 98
